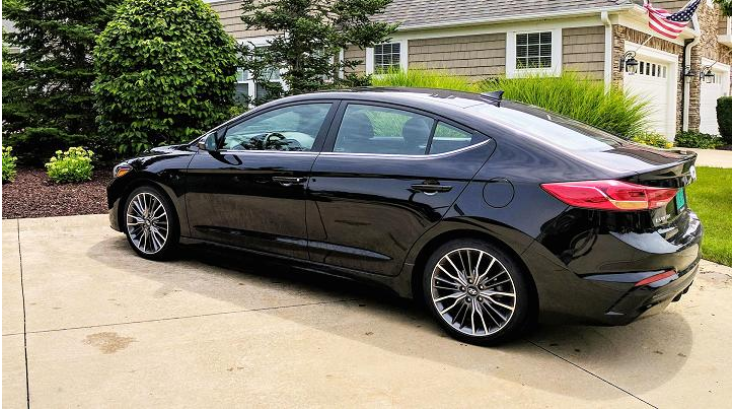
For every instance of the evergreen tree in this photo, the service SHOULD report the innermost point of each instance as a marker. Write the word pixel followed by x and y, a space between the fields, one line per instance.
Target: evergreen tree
pixel 47 99
pixel 311 34
pixel 166 73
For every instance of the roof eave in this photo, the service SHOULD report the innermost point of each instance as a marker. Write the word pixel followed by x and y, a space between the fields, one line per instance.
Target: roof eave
pixel 522 17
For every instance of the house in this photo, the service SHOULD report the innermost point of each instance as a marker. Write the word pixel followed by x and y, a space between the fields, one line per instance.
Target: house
pixel 682 78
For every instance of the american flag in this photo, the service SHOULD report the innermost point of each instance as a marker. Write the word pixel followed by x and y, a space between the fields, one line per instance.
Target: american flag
pixel 669 24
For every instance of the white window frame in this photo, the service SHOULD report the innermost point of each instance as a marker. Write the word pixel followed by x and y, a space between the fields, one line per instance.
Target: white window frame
pixel 250 81
pixel 554 70
pixel 403 56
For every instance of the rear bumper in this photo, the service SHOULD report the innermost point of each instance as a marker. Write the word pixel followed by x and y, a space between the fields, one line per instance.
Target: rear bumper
pixel 649 299
pixel 594 280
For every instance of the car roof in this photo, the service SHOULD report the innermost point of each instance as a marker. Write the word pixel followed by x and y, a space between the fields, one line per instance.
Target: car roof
pixel 417 97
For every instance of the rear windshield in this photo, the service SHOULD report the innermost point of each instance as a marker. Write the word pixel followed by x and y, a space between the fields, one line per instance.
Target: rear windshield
pixel 548 127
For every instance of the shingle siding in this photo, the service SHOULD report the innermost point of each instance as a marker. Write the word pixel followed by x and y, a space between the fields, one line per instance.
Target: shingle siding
pixel 583 50
pixel 355 53
pixel 477 56
pixel 230 13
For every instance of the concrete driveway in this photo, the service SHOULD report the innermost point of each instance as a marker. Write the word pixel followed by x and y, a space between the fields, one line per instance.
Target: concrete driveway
pixel 88 324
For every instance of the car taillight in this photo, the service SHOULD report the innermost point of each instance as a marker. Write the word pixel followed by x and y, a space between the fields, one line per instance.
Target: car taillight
pixel 610 195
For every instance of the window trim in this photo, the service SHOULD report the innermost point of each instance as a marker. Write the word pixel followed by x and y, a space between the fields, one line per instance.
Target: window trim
pixel 319 141
pixel 251 82
pixel 329 142
pixel 370 66
pixel 556 67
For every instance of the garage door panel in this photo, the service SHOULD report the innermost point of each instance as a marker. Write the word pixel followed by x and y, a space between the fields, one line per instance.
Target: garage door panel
pixel 709 94
pixel 651 82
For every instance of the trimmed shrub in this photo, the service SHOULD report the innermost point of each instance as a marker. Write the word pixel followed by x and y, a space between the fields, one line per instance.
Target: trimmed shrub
pixel 652 139
pixel 699 140
pixel 165 73
pixel 9 160
pixel 424 79
pixel 571 94
pixel 723 112
pixel 72 166
pixel 578 97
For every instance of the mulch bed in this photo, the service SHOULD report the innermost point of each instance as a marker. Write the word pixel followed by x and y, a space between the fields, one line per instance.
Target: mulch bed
pixel 32 194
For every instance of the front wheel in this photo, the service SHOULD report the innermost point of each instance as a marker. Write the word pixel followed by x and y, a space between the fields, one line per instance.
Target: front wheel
pixel 477 293
pixel 150 223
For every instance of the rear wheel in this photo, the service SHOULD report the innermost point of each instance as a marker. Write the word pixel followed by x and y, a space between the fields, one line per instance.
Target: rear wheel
pixel 476 292
pixel 150 223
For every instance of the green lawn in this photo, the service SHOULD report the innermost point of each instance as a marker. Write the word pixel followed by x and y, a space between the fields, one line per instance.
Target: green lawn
pixel 710 198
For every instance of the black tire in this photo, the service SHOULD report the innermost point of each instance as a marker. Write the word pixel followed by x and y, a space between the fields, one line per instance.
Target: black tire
pixel 171 239
pixel 521 317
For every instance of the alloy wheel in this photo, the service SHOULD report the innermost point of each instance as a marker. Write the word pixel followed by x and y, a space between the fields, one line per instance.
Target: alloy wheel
pixel 473 292
pixel 147 223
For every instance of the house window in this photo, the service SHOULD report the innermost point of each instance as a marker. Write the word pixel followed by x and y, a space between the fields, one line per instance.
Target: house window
pixel 534 50
pixel 250 90
pixel 386 57
pixel 242 86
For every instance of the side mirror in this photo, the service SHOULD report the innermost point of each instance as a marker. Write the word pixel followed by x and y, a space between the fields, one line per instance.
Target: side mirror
pixel 208 143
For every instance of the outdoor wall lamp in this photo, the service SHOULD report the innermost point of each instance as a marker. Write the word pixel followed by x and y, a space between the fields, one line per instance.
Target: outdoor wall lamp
pixel 688 73
pixel 628 62
pixel 707 74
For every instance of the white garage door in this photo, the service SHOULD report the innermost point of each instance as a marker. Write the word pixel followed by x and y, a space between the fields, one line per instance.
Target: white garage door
pixel 709 94
pixel 652 82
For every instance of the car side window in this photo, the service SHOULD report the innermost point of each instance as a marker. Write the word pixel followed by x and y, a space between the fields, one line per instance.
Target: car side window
pixel 448 138
pixel 380 130
pixel 292 128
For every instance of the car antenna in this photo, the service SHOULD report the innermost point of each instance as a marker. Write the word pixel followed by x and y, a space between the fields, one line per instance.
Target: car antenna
pixel 494 97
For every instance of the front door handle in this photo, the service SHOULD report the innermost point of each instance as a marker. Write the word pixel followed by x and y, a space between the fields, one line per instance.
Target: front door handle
pixel 431 188
pixel 289 180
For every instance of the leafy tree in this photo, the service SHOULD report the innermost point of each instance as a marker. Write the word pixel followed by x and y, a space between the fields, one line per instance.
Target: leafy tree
pixel 311 35
pixel 165 73
pixel 47 85
pixel 725 6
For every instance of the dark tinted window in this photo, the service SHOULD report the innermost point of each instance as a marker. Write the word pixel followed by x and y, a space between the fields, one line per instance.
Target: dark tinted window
pixel 372 129
pixel 292 128
pixel 448 138
pixel 548 127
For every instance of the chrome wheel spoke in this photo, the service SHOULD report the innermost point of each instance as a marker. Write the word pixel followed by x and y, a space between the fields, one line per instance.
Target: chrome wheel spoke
pixel 147 223
pixel 473 292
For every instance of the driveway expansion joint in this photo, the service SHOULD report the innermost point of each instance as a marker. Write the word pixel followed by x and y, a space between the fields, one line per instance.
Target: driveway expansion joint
pixel 604 380
pixel 214 314
pixel 25 331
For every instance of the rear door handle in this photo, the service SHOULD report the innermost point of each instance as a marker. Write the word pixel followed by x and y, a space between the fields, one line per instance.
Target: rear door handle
pixel 289 180
pixel 431 188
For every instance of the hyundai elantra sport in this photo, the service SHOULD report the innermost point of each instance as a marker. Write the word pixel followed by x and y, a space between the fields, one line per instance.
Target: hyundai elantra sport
pixel 497 215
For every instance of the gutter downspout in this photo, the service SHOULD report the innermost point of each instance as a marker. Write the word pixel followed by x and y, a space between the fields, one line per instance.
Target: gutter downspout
pixel 685 82
pixel 608 53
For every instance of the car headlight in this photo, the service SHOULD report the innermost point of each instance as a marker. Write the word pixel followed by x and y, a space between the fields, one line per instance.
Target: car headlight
pixel 121 170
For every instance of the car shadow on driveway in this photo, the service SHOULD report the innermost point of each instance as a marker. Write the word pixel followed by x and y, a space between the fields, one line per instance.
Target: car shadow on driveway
pixel 645 354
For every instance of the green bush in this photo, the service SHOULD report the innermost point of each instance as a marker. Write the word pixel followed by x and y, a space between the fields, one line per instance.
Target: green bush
pixel 424 79
pixel 72 166
pixel 723 112
pixel 9 160
pixel 692 139
pixel 578 97
pixel 165 73
pixel 652 139
pixel 571 94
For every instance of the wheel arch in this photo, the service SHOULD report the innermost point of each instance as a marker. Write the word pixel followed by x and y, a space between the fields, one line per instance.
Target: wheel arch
pixel 146 180
pixel 426 250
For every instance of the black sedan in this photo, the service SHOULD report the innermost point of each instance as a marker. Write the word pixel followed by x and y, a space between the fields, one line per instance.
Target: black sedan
pixel 496 214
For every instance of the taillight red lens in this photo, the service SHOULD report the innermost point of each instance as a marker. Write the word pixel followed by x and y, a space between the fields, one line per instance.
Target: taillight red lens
pixel 610 195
